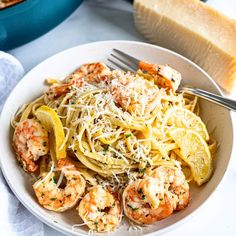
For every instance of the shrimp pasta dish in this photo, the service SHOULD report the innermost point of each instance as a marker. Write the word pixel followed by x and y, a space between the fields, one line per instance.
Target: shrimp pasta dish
pixel 112 143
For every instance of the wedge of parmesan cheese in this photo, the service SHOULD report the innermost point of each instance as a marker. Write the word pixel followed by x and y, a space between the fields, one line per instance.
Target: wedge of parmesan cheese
pixel 194 30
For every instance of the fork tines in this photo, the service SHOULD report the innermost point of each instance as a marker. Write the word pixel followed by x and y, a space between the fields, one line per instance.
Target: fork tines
pixel 123 61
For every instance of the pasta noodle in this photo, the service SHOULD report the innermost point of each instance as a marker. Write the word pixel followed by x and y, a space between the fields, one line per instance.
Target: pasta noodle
pixel 108 136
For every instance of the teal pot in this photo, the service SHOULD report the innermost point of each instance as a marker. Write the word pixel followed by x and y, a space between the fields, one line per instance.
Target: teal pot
pixel 29 19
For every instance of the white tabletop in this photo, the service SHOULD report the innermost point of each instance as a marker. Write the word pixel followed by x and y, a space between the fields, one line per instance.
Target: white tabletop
pixel 107 20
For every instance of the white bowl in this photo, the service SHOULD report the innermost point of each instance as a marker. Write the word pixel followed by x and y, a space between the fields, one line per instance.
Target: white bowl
pixel 60 65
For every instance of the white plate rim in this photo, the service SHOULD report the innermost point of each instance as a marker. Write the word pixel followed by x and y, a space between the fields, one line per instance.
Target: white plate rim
pixel 57 226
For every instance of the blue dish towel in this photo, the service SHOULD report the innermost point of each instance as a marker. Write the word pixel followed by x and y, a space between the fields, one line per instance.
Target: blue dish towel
pixel 15 220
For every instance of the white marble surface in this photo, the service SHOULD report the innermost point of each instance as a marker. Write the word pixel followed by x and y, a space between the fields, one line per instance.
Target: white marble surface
pixel 97 21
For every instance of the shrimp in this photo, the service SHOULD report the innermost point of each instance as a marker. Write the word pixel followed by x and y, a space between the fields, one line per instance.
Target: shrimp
pixel 30 141
pixel 91 72
pixel 55 198
pixel 176 185
pixel 133 93
pixel 146 202
pixel 100 210
pixel 164 75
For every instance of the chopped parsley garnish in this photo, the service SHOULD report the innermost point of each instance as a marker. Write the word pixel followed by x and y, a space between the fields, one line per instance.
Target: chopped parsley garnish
pixel 53 198
pixel 143 197
pixel 128 135
pixel 142 170
pixel 133 208
pixel 54 180
pixel 140 191
pixel 96 224
pixel 105 149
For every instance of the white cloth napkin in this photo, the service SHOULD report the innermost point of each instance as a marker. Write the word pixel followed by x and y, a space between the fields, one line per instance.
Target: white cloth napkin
pixel 15 220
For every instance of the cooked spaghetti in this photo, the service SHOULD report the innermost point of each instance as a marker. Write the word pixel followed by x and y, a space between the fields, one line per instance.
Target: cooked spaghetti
pixel 120 132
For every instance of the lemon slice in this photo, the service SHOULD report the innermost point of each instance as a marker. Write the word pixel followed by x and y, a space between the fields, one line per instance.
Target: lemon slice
pixel 183 118
pixel 195 152
pixel 50 120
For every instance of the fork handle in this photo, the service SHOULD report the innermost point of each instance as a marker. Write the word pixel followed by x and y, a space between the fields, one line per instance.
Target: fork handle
pixel 225 102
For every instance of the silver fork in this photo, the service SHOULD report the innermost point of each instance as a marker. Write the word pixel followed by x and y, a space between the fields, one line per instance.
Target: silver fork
pixel 127 62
